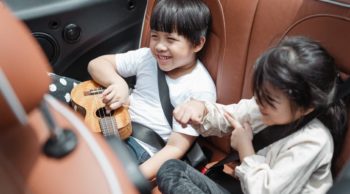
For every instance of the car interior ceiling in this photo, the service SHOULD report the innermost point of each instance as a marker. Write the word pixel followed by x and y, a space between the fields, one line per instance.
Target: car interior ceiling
pixel 240 32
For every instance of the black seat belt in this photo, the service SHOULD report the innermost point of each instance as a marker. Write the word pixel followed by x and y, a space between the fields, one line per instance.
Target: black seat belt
pixel 195 155
pixel 147 135
pixel 164 97
pixel 266 137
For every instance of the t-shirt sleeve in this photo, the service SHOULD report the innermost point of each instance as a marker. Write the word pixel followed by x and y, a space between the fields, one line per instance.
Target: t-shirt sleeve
pixel 128 64
pixel 205 91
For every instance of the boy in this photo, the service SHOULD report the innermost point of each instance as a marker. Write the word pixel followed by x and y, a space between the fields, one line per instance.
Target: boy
pixel 178 33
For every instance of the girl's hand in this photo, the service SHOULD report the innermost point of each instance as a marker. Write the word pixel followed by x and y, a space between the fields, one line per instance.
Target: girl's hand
pixel 115 95
pixel 191 112
pixel 242 136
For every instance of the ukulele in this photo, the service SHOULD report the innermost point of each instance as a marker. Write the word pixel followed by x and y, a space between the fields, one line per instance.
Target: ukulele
pixel 86 100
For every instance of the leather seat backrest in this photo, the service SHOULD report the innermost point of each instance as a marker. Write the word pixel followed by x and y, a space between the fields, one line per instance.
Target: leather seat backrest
pixel 226 52
pixel 321 21
pixel 91 167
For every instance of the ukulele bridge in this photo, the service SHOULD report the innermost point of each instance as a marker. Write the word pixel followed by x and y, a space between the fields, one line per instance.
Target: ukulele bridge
pixel 93 92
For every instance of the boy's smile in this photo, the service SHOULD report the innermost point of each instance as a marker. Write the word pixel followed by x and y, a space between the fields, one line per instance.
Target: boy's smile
pixel 174 53
pixel 163 59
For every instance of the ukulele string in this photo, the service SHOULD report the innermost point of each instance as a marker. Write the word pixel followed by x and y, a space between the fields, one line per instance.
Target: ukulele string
pixel 100 112
pixel 115 131
pixel 108 120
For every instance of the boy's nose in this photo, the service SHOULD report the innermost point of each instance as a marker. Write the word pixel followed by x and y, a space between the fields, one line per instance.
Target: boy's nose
pixel 160 47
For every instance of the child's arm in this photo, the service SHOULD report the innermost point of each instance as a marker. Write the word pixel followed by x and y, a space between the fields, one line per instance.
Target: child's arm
pixel 195 112
pixel 103 71
pixel 209 120
pixel 191 112
pixel 176 147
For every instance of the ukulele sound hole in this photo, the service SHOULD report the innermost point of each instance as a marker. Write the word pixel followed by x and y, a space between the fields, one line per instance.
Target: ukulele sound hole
pixel 101 113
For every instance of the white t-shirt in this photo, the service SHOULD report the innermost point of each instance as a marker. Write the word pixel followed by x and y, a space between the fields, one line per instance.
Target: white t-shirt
pixel 298 163
pixel 145 106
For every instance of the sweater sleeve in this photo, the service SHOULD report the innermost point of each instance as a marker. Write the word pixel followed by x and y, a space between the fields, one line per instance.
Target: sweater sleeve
pixel 215 124
pixel 288 169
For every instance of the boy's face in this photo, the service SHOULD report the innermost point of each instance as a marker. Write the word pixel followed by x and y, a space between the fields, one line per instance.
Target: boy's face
pixel 174 53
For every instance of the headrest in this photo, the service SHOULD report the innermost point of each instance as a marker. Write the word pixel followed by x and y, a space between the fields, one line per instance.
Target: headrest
pixel 332 31
pixel 23 64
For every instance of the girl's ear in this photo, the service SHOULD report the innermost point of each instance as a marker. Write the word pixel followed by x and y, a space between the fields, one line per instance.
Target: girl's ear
pixel 199 46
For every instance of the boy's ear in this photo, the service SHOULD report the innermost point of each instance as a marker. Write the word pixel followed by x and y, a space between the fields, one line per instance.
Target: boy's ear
pixel 199 46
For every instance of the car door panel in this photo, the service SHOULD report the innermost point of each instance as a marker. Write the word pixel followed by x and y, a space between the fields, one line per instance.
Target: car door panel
pixel 72 32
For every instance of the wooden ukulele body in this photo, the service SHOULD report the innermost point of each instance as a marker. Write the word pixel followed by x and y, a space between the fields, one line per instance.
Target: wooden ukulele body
pixel 86 99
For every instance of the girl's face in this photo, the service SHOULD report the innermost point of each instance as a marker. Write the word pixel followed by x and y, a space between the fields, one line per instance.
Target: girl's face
pixel 174 53
pixel 281 113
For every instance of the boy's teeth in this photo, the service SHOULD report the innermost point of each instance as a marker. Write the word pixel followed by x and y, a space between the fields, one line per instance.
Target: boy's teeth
pixel 163 57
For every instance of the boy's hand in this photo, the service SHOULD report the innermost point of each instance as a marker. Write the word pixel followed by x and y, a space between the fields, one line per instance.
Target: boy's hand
pixel 115 95
pixel 191 112
pixel 242 136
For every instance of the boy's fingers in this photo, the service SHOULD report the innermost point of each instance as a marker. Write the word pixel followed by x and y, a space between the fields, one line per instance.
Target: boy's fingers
pixel 184 118
pixel 115 105
pixel 196 120
pixel 108 110
pixel 106 91
pixel 107 98
pixel 177 113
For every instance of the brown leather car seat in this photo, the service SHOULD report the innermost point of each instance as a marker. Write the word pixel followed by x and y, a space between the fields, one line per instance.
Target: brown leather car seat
pixel 225 55
pixel 87 165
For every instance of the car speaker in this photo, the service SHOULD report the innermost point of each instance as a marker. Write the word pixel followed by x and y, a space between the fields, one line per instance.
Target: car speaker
pixel 71 33
pixel 49 45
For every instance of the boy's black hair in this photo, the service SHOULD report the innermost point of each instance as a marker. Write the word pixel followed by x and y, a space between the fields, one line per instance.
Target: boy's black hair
pixel 189 18
pixel 306 73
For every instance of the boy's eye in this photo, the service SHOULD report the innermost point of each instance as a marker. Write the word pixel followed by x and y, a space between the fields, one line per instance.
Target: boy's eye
pixel 172 39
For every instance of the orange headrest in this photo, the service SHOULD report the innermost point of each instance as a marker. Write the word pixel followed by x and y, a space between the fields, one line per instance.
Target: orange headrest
pixel 23 64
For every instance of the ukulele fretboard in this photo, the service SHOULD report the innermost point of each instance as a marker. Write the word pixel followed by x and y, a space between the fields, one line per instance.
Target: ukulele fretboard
pixel 109 126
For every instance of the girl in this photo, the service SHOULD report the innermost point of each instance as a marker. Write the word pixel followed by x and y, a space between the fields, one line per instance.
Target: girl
pixel 290 80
